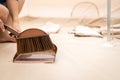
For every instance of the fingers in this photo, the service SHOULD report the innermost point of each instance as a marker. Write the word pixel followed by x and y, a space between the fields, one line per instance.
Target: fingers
pixel 2 25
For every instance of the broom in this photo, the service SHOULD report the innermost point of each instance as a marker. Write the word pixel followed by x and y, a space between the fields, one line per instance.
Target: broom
pixel 33 45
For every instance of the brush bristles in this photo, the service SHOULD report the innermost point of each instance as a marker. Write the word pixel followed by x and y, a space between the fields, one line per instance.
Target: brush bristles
pixel 34 44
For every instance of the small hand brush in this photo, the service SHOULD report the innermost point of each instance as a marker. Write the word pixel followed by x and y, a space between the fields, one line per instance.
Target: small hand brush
pixel 33 45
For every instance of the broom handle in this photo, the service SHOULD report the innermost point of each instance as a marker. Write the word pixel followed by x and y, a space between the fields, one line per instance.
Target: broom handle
pixel 9 28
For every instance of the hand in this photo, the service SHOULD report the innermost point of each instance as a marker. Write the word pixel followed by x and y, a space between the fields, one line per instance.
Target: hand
pixel 2 25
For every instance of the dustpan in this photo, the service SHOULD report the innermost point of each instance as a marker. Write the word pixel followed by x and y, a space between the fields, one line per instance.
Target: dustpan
pixel 29 52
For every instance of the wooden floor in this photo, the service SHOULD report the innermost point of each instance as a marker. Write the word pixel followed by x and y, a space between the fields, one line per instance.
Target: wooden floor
pixel 78 58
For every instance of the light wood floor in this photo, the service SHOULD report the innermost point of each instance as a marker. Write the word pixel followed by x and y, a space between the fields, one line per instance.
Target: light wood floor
pixel 78 58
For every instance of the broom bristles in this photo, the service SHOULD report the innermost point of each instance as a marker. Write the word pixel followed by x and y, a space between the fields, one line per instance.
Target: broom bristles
pixel 34 44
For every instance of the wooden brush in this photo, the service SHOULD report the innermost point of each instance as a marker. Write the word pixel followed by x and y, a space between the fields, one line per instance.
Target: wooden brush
pixel 33 45
pixel 13 31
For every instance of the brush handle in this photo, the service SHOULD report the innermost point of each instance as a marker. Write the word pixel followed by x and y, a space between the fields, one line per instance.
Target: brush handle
pixel 13 31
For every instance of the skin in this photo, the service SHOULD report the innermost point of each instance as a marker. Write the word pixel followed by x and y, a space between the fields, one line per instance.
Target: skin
pixel 9 15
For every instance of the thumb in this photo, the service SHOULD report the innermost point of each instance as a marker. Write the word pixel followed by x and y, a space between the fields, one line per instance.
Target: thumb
pixel 2 26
